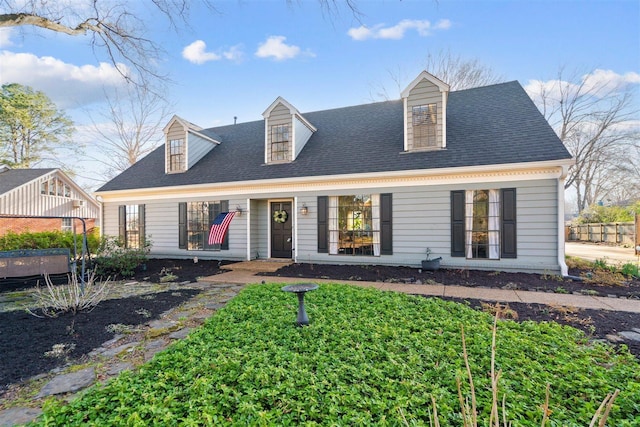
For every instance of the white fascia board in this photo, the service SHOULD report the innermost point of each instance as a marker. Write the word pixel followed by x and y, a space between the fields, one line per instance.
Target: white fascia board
pixel 279 100
pixel 444 118
pixel 304 121
pixel 405 114
pixel 442 86
pixel 444 176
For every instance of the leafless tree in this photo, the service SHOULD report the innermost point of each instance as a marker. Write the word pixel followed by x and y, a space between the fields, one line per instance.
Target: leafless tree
pixel 130 127
pixel 459 73
pixel 593 114
pixel 115 30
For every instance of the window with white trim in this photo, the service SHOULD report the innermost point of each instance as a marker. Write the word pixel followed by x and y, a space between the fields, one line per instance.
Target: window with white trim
pixel 176 155
pixel 280 142
pixel 354 225
pixel 425 123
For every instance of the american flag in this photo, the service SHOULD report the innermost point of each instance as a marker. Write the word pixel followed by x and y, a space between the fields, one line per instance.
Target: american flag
pixel 219 227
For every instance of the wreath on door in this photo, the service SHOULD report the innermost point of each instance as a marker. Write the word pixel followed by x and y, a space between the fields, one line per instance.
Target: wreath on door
pixel 280 216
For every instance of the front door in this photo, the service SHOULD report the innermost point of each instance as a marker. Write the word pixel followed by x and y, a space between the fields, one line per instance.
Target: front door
pixel 281 237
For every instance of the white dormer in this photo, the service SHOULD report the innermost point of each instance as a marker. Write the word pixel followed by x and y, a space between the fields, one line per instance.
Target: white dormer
pixel 286 132
pixel 185 144
pixel 425 113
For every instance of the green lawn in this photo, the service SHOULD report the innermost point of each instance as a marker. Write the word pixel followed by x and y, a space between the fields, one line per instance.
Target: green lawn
pixel 368 358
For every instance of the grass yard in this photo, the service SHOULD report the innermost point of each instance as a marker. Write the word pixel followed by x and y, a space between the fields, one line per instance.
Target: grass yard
pixel 368 358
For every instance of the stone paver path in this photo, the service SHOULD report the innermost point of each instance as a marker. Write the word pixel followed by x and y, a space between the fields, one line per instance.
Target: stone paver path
pixel 125 351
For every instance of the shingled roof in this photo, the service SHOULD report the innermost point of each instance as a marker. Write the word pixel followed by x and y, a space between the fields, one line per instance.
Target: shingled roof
pixel 14 178
pixel 497 124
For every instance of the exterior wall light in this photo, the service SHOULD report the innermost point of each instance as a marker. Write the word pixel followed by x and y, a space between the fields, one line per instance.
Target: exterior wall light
pixel 304 210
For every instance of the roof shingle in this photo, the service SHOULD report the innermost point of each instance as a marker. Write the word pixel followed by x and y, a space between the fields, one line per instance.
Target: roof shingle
pixel 497 124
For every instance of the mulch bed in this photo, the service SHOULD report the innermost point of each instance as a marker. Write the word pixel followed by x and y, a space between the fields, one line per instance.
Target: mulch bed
pixel 25 338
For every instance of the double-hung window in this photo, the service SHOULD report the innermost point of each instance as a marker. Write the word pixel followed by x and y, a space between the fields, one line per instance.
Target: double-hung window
pixel 131 219
pixel 280 142
pixel 425 122
pixel 194 223
pixel 176 155
pixel 483 223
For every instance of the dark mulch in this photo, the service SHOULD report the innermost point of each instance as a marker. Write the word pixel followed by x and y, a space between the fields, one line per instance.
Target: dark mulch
pixel 185 269
pixel 26 338
pixel 472 278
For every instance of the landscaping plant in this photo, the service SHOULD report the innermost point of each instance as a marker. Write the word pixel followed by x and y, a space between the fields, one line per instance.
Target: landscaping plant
pixel 367 358
pixel 52 300
pixel 114 259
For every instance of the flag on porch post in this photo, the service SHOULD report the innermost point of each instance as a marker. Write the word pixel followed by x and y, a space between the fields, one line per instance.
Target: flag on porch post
pixel 219 227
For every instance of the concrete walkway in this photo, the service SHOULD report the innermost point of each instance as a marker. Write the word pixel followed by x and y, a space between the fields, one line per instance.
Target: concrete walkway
pixel 242 277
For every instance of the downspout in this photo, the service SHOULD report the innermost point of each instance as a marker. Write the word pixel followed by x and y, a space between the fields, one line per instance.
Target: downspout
pixel 564 270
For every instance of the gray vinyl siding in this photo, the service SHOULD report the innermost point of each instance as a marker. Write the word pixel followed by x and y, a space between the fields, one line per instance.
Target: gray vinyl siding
pixel 421 219
pixel 176 131
pixel 302 134
pixel 161 226
pixel 280 115
pixel 198 147
pixel 27 200
pixel 424 93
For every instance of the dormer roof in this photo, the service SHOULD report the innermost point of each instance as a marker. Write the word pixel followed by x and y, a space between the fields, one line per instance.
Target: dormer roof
pixel 293 110
pixel 425 76
pixel 193 128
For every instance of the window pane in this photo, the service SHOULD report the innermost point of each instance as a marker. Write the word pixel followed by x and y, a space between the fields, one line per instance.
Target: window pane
pixel 176 155
pixel 132 227
pixel 483 225
pixel 353 231
pixel 199 217
pixel 425 120
pixel 280 142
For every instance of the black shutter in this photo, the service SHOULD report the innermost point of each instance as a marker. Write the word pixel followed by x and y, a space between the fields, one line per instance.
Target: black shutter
pixel 386 220
pixel 122 224
pixel 457 223
pixel 508 224
pixel 224 207
pixel 182 225
pixel 141 229
pixel 323 224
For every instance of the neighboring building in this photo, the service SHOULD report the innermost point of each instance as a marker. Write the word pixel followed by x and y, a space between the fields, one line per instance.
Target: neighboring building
pixel 28 195
pixel 475 175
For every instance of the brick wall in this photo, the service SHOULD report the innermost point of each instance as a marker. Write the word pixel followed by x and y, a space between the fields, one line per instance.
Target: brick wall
pixel 34 225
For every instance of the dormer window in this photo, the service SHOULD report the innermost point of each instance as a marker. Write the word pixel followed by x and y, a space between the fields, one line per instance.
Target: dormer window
pixel 425 123
pixel 280 142
pixel 176 155
pixel 425 114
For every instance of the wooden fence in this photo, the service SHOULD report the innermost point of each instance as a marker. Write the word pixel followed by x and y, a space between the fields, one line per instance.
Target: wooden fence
pixel 620 233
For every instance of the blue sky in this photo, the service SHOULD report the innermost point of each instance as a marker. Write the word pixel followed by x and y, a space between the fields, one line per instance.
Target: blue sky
pixel 237 61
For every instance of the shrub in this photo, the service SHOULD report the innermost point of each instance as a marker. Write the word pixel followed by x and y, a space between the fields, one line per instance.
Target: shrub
pixel 115 260
pixel 73 297
pixel 630 269
pixel 48 239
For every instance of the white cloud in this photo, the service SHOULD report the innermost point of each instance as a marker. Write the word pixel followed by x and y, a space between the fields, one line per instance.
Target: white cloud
pixel 234 53
pixel 396 32
pixel 5 37
pixel 598 83
pixel 197 54
pixel 68 85
pixel 275 47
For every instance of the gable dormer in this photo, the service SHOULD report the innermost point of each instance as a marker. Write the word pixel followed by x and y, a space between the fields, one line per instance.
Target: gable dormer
pixel 425 113
pixel 286 132
pixel 185 144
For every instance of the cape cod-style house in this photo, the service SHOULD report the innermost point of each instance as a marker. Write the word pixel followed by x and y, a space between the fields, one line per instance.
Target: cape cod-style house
pixel 475 175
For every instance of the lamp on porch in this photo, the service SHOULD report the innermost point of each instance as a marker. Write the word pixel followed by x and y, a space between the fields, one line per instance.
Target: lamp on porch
pixel 238 210
pixel 304 210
